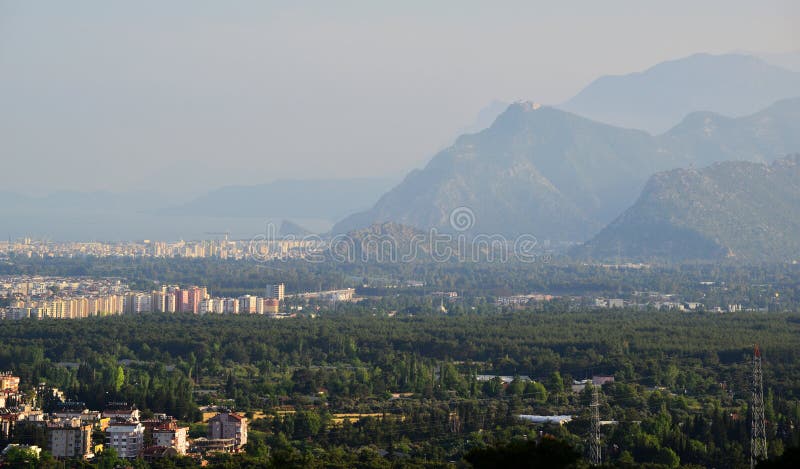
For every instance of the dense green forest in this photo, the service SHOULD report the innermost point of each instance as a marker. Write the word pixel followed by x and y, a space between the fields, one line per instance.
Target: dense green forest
pixel 680 394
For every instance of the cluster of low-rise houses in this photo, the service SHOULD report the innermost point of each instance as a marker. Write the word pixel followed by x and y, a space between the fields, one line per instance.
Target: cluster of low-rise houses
pixel 523 300
pixel 665 301
pixel 637 300
pixel 71 429
pixel 59 298
pixel 37 285
pixel 662 301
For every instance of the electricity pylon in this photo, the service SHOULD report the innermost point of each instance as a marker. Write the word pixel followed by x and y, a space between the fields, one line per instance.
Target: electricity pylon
pixel 595 452
pixel 758 435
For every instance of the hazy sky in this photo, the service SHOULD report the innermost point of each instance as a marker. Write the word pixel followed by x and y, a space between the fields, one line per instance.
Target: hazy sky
pixel 191 95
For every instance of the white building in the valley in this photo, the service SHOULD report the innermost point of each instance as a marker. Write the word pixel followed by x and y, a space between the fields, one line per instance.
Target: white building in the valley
pixel 557 419
pixel 172 437
pixel 127 438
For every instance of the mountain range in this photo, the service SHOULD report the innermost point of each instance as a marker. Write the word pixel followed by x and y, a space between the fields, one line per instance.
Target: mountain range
pixel 547 172
pixel 244 211
pixel 560 173
pixel 656 98
pixel 735 209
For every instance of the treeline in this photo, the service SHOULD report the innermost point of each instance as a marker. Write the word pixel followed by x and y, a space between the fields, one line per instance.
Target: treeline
pixel 680 394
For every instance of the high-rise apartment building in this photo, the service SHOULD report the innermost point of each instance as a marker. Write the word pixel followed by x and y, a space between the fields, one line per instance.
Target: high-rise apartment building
pixel 231 306
pixel 136 303
pixel 276 291
pixel 159 301
pixel 182 301
pixel 196 295
pixel 172 305
pixel 248 304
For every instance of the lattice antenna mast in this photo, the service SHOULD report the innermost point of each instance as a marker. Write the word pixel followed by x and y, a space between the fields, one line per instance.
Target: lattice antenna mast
pixel 595 452
pixel 758 434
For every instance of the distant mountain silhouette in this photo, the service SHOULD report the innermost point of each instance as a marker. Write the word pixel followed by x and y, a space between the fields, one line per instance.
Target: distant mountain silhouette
pixel 655 99
pixel 289 228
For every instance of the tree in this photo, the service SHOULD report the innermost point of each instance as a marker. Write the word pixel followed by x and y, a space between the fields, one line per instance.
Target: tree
pixel 556 383
pixel 21 456
pixel 257 448
pixel 516 387
pixel 306 424
pixel 119 379
pixel 537 391
pixel 667 457
pixel 108 459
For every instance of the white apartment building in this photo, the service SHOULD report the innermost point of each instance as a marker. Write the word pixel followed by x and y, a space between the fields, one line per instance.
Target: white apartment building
pixel 127 438
pixel 172 438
